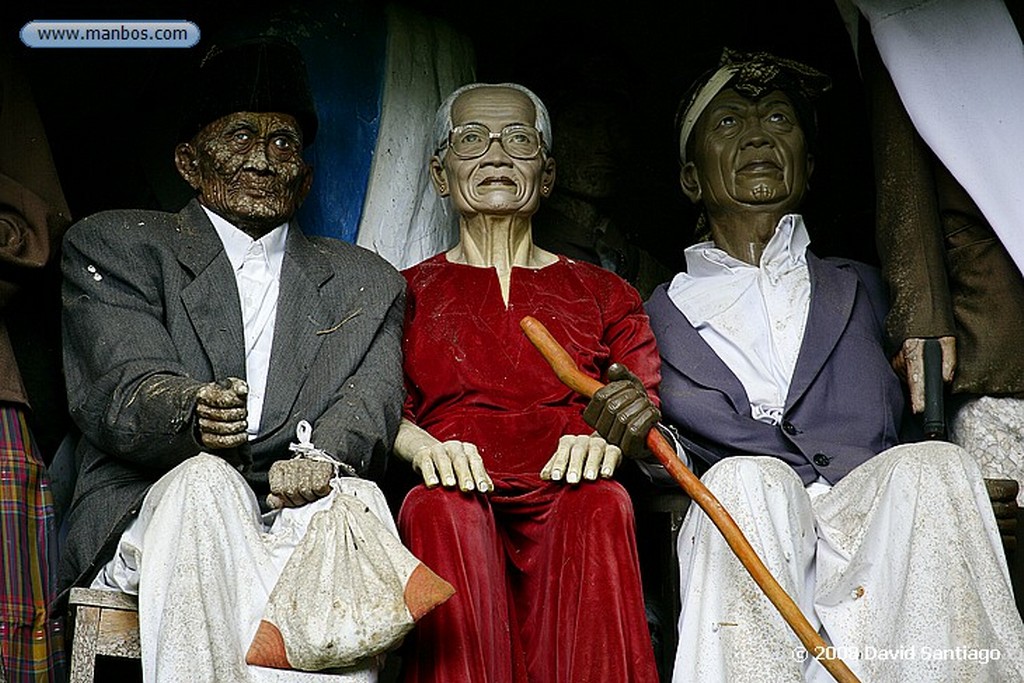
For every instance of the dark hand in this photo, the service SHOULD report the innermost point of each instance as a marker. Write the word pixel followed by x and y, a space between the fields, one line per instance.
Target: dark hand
pixel 622 412
pixel 222 413
pixel 298 481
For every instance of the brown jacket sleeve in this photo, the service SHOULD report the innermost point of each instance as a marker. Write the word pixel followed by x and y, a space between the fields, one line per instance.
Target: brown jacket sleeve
pixel 908 232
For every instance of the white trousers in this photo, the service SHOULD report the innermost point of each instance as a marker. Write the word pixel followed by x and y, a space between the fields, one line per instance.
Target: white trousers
pixel 203 563
pixel 900 565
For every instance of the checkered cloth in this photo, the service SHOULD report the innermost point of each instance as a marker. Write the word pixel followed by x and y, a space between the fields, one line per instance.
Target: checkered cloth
pixel 31 642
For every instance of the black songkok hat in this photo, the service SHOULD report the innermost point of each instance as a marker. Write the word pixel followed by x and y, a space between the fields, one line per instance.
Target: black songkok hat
pixel 260 75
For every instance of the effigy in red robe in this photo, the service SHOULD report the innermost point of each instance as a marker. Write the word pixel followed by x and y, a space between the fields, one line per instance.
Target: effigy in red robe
pixel 546 574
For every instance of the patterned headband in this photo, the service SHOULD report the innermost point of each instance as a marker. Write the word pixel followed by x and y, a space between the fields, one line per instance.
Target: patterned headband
pixel 751 74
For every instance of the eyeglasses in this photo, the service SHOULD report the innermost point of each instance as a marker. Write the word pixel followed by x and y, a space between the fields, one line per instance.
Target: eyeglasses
pixel 474 139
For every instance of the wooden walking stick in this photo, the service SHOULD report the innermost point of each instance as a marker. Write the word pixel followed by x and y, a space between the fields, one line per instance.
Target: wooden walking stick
pixel 567 371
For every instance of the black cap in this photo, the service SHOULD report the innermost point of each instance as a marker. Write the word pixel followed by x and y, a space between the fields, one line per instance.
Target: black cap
pixel 260 75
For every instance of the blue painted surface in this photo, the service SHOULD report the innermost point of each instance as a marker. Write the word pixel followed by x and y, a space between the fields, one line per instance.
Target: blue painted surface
pixel 344 45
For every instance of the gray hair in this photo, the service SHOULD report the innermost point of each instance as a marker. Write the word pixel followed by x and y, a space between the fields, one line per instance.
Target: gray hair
pixel 443 119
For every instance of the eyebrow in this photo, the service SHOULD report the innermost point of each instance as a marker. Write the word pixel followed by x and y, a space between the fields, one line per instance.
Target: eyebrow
pixel 481 123
pixel 246 124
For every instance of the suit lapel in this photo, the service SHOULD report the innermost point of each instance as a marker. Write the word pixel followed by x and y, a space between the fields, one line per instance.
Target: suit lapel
pixel 211 298
pixel 683 348
pixel 833 291
pixel 301 313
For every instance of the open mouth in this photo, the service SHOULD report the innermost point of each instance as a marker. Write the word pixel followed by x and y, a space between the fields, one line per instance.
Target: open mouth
pixel 497 181
pixel 760 166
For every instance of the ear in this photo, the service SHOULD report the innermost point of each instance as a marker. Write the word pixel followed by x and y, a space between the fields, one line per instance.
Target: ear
pixel 187 162
pixel 690 182
pixel 307 183
pixel 439 176
pixel 547 178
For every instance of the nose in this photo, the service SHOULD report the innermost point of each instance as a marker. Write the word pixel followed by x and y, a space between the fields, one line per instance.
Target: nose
pixel 495 154
pixel 257 158
pixel 754 134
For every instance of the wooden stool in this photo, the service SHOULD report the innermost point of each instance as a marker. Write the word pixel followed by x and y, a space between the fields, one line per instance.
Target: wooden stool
pixel 103 623
pixel 1003 494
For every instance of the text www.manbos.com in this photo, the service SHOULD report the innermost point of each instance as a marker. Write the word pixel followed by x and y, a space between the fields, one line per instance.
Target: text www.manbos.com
pixel 109 34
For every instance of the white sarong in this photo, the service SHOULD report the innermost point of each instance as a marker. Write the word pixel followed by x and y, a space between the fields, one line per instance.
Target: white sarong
pixel 900 564
pixel 203 562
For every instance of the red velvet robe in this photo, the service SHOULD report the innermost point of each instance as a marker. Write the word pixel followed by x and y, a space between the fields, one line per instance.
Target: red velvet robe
pixel 546 574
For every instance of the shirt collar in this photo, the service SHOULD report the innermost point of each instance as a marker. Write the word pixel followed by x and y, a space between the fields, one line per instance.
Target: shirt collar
pixel 787 247
pixel 237 243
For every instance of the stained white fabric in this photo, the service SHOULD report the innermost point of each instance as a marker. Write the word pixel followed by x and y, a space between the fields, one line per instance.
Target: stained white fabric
pixel 959 70
pixel 257 267
pixel 404 220
pixel 900 563
pixel 752 316
pixel 203 563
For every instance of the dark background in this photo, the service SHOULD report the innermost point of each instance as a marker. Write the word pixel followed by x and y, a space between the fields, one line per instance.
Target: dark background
pixel 99 112
pixel 109 113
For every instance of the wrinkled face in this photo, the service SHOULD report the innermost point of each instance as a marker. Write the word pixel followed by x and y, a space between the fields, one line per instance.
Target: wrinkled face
pixel 494 183
pixel 749 155
pixel 248 168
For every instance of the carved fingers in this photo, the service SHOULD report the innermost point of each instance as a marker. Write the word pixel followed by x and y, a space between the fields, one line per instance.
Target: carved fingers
pixel 298 481
pixel 221 411
pixel 582 457
pixel 452 463
pixel 622 412
pixel 909 365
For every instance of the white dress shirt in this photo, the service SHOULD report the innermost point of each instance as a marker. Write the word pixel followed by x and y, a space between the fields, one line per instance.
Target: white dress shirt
pixel 257 266
pixel 752 317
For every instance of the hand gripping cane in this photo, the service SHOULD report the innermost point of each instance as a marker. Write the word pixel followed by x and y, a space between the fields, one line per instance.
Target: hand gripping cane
pixel 570 375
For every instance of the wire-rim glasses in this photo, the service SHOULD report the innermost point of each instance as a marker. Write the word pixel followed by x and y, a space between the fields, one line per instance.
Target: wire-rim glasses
pixel 474 139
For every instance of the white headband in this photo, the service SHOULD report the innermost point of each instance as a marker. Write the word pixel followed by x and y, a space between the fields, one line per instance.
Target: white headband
pixel 700 102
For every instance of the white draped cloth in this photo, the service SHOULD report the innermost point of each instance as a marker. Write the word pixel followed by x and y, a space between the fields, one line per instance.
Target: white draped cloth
pixel 404 220
pixel 203 562
pixel 959 70
pixel 900 564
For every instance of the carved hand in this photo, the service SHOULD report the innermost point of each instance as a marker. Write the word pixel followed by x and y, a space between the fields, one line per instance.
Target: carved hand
pixel 909 365
pixel 622 412
pixel 222 413
pixel 298 481
pixel 582 457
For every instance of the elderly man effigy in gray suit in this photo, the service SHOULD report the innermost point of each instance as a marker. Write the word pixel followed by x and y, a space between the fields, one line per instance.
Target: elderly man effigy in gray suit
pixel 195 345
pixel 774 372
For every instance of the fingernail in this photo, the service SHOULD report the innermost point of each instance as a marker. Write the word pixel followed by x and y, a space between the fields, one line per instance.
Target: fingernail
pixel 556 474
pixel 450 481
pixel 606 472
pixel 591 474
pixel 483 487
pixel 573 477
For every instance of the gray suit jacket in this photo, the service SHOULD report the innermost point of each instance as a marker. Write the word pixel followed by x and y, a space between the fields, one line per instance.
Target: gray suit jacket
pixel 845 403
pixel 151 312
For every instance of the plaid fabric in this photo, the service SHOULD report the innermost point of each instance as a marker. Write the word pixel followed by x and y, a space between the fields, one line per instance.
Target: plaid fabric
pixel 31 643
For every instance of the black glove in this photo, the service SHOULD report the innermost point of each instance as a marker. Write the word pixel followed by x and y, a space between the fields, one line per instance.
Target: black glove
pixel 622 412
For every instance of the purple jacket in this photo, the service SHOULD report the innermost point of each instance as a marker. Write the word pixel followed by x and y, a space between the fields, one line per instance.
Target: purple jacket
pixel 845 402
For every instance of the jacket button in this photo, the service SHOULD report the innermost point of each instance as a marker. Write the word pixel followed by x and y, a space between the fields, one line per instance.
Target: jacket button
pixel 789 428
pixel 821 460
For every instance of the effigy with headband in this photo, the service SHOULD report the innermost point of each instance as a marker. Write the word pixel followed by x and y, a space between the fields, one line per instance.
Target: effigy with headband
pixel 753 75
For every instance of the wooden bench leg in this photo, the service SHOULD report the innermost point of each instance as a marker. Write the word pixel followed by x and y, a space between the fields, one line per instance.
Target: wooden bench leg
pixel 83 648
